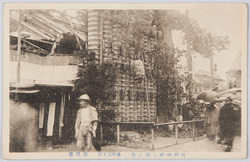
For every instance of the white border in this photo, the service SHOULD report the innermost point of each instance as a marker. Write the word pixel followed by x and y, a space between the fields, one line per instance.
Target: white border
pixel 110 5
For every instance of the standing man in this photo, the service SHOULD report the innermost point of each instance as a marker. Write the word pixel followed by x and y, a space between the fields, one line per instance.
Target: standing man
pixel 86 124
pixel 227 122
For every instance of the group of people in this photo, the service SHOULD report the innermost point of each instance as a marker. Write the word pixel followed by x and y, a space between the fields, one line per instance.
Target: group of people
pixel 221 120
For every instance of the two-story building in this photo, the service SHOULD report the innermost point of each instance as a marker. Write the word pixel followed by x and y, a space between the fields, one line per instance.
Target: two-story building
pixel 45 77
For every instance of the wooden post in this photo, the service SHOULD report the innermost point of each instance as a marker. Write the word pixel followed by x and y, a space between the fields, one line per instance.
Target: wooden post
pixel 101 45
pixel 190 64
pixel 118 134
pixel 153 138
pixel 101 132
pixel 193 131
pixel 61 115
pixel 19 45
pixel 157 119
pixel 146 85
pixel 176 133
pixel 211 71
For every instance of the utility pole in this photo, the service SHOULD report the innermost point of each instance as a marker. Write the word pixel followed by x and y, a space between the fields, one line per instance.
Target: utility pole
pixel 101 45
pixel 19 46
pixel 211 71
pixel 190 65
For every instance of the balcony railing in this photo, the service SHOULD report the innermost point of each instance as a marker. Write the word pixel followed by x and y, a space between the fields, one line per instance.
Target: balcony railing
pixel 54 60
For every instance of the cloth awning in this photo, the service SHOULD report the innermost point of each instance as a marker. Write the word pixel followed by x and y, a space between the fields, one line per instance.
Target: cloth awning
pixel 21 85
pixel 29 84
pixel 54 83
pixel 24 91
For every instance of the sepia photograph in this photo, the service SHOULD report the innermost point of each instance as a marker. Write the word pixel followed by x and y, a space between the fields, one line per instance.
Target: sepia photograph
pixel 124 81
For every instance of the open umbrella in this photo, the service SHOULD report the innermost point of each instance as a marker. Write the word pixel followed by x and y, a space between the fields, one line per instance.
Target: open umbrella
pixel 234 93
pixel 207 96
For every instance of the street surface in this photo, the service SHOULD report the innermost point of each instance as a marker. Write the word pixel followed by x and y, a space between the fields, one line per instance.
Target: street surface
pixel 162 144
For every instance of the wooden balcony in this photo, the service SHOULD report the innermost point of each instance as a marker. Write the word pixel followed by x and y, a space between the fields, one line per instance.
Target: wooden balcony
pixel 54 60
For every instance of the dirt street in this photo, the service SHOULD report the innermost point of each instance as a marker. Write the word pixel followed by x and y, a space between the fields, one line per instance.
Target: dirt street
pixel 165 144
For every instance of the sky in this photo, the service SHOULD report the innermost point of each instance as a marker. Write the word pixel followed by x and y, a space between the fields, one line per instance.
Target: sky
pixel 220 20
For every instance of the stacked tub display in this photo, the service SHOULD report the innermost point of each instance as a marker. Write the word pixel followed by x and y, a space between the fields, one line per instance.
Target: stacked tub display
pixel 134 101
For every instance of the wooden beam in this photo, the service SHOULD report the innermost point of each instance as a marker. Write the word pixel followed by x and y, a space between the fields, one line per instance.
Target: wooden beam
pixel 60 28
pixel 181 122
pixel 176 134
pixel 193 132
pixel 101 132
pixel 42 26
pixel 101 45
pixel 153 138
pixel 32 28
pixel 19 45
pixel 33 45
pixel 118 134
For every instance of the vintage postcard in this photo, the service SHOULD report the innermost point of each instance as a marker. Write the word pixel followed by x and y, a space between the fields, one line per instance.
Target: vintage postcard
pixel 125 81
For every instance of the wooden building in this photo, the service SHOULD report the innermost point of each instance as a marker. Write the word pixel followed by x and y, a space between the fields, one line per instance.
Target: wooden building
pixel 45 77
pixel 234 74
pixel 51 73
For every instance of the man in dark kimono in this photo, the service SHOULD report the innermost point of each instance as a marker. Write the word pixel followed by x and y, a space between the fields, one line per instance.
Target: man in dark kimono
pixel 227 122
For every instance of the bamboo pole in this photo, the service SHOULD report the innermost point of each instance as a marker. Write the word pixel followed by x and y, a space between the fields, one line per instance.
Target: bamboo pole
pixel 101 45
pixel 153 138
pixel 190 64
pixel 176 134
pixel 118 134
pixel 181 122
pixel 19 46
pixel 193 131
pixel 101 132
pixel 146 85
pixel 33 45
pixel 211 71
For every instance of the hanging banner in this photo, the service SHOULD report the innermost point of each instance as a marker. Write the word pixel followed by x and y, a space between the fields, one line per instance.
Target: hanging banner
pixel 41 115
pixel 51 119
pixel 61 124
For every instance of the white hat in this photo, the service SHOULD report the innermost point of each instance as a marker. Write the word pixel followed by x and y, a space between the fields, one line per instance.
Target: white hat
pixel 207 103
pixel 84 97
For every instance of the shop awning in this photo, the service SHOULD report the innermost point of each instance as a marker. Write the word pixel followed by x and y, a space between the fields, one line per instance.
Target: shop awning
pixel 24 91
pixel 54 83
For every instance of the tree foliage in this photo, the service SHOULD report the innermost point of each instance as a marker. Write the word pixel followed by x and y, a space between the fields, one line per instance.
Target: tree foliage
pixel 157 25
pixel 200 40
pixel 207 44
pixel 96 80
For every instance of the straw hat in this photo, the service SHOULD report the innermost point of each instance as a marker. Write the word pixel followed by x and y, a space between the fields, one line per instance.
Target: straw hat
pixel 84 97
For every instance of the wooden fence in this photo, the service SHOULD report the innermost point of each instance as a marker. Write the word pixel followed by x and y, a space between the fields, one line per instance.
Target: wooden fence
pixel 152 126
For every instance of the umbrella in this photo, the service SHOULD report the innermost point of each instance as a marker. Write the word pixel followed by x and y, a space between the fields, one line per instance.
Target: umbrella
pixel 236 102
pixel 234 93
pixel 96 143
pixel 207 96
